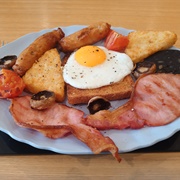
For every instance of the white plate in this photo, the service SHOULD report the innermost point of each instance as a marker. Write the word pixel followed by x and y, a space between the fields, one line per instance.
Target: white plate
pixel 126 140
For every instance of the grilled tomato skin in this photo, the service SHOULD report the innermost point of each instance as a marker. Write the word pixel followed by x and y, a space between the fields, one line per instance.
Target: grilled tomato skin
pixel 11 84
pixel 116 42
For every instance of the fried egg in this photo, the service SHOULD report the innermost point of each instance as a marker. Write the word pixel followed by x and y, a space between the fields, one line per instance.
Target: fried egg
pixel 95 66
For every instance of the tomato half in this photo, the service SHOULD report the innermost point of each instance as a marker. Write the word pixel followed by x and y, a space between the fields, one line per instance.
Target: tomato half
pixel 11 84
pixel 116 42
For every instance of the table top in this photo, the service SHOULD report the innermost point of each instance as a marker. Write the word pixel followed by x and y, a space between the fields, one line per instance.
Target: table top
pixel 20 17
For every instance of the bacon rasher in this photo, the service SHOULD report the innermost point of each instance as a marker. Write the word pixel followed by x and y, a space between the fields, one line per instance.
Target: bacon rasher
pixel 58 121
pixel 155 101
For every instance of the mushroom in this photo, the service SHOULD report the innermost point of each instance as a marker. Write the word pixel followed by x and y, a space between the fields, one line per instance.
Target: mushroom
pixel 42 100
pixel 8 61
pixel 98 103
pixel 145 67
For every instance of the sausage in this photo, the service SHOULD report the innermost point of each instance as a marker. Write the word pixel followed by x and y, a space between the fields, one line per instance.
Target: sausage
pixel 36 49
pixel 85 36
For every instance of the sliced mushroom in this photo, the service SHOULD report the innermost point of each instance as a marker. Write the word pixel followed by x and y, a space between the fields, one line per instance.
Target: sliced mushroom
pixel 42 100
pixel 98 103
pixel 8 61
pixel 145 67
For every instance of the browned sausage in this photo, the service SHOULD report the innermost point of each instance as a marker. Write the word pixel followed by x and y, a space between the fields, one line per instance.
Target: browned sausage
pixel 36 49
pixel 85 36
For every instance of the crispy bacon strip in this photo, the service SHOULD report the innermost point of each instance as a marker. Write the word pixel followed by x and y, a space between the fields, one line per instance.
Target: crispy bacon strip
pixel 94 139
pixel 155 101
pixel 59 120
pixel 121 118
pixel 54 133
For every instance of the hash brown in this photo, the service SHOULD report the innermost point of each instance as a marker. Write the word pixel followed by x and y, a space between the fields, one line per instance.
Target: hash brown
pixel 46 74
pixel 145 43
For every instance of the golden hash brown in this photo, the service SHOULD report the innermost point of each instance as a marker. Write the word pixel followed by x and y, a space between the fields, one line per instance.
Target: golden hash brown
pixel 46 74
pixel 145 43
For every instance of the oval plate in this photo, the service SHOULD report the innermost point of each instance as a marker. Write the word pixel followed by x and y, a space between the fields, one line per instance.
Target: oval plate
pixel 126 140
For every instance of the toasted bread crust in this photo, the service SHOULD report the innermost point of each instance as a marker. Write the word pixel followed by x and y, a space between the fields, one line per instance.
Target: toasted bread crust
pixel 119 90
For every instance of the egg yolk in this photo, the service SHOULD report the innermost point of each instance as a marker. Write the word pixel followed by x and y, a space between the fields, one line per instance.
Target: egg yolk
pixel 90 56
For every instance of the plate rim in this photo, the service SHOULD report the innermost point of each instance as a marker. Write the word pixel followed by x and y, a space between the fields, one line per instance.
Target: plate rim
pixel 84 147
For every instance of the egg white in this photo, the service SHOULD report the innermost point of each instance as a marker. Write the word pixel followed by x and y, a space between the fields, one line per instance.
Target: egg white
pixel 113 69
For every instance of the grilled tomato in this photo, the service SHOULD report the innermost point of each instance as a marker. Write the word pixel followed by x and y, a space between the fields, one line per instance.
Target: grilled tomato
pixel 11 84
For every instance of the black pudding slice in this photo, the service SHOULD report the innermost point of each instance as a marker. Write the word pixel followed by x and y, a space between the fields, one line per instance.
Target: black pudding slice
pixel 167 61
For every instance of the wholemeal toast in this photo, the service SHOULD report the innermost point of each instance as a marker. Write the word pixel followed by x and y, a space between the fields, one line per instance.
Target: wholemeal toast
pixel 116 91
pixel 145 43
pixel 46 74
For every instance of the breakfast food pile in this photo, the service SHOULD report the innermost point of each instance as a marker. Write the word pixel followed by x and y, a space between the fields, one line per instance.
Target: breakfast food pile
pixel 56 67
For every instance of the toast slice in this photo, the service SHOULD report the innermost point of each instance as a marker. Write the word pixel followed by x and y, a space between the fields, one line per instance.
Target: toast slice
pixel 145 43
pixel 116 91
pixel 46 74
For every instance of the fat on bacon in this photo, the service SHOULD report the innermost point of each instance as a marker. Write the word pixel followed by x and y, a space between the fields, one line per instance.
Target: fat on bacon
pixel 59 120
pixel 155 101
